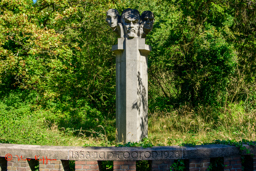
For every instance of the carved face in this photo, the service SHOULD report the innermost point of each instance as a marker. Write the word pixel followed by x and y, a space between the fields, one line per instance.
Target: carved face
pixel 141 29
pixel 112 18
pixel 131 25
pixel 148 21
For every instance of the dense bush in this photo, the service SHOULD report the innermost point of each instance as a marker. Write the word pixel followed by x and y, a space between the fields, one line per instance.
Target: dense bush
pixel 59 52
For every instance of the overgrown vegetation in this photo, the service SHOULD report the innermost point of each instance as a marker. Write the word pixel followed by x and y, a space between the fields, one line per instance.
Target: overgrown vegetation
pixel 57 71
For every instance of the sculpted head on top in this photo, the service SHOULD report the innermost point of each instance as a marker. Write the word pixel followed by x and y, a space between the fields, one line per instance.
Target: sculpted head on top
pixel 130 24
pixel 131 21
pixel 112 18
pixel 147 18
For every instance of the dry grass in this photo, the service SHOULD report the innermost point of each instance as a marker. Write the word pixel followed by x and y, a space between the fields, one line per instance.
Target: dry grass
pixel 185 126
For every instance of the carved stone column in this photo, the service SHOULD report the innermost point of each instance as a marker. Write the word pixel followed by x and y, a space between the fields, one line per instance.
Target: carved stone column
pixel 131 89
pixel 131 73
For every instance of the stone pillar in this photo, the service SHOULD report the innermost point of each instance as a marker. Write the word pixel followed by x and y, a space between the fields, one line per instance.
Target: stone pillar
pixel 53 165
pixel 3 164
pixel 17 164
pixel 131 89
pixel 86 165
pixel 199 164
pixel 124 165
pixel 161 165
pixel 232 163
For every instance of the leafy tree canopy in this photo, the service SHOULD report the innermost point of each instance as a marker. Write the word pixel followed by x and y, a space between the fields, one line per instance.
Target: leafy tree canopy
pixel 203 53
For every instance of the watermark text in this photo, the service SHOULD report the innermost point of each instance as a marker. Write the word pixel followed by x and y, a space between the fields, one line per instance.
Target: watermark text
pixel 45 160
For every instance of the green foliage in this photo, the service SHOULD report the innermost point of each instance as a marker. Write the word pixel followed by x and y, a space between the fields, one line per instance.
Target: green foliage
pixel 57 72
pixel 37 167
pixel 203 71
pixel 72 165
pixel 76 116
pixel 178 165
pixel 145 143
pixel 199 57
pixel 56 62
pixel 143 165
pixel 216 164
pixel 18 121
pixel 106 165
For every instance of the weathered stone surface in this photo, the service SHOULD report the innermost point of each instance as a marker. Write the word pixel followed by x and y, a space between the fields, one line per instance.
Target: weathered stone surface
pixel 210 151
pixel 127 154
pixel 118 153
pixel 91 153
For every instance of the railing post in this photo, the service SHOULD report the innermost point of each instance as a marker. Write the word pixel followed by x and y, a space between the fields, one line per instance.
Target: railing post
pixel 52 165
pixel 86 165
pixel 16 164
pixel 199 164
pixel 232 163
pixel 161 165
pixel 124 165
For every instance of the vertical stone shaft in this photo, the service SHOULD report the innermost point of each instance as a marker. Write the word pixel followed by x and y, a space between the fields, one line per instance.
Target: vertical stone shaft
pixel 131 89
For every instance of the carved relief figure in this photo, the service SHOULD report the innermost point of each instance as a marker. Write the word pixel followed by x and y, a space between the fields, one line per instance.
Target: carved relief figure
pixel 147 21
pixel 112 19
pixel 131 22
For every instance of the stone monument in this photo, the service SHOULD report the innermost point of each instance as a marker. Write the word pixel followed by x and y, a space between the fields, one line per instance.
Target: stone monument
pixel 131 72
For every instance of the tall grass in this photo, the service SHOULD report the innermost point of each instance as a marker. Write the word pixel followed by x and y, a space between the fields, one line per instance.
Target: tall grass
pixel 186 126
pixel 23 121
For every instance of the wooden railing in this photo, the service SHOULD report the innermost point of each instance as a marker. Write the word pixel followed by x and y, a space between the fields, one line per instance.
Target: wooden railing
pixel 14 157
